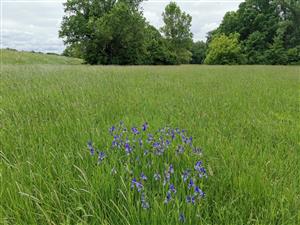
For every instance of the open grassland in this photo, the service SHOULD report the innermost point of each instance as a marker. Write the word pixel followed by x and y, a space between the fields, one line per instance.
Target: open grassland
pixel 246 119
pixel 20 58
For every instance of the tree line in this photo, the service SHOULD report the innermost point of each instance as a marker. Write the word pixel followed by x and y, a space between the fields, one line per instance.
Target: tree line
pixel 116 32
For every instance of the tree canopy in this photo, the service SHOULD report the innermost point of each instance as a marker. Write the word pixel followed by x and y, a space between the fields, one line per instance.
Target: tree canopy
pixel 269 31
pixel 116 32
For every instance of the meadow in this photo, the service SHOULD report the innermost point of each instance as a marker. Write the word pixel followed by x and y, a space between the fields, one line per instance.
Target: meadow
pixel 245 118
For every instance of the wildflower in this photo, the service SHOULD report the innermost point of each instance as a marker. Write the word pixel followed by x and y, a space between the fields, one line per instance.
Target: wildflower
pixel 139 186
pixel 157 176
pixel 199 191
pixel 191 184
pixel 116 137
pixel 185 175
pixel 190 199
pixel 112 129
pixel 181 217
pixel 180 149
pixel 146 152
pixel 156 144
pixel 144 202
pixel 135 130
pixel 168 197
pixel 159 151
pixel 197 151
pixel 171 169
pixel 167 178
pixel 114 143
pixel 150 138
pixel 143 176
pixel 172 188
pixel 167 142
pixel 145 126
pixel 198 166
pixel 128 149
pixel 101 156
pixel 184 139
pixel 140 142
pixel 135 183
pixel 173 135
pixel 91 148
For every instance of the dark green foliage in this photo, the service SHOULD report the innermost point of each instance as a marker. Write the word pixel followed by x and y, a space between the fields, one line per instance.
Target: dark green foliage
pixel 267 29
pixel 157 48
pixel 119 35
pixel 108 31
pixel 198 52
pixel 115 32
pixel 177 31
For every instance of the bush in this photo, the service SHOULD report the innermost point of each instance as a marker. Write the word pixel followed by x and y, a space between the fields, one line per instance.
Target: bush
pixel 224 50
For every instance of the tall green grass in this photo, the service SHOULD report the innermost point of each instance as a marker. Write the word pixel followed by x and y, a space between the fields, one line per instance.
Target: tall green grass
pixel 21 58
pixel 246 118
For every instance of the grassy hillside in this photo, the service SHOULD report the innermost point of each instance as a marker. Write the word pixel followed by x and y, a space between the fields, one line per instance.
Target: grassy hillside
pixel 246 119
pixel 18 58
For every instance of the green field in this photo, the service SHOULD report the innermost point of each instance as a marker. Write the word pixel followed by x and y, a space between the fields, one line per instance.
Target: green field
pixel 20 58
pixel 246 119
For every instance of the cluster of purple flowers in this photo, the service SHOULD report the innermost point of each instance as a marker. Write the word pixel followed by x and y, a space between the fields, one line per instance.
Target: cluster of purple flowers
pixel 163 163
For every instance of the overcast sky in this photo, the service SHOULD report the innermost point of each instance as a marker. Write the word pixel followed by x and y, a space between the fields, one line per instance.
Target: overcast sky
pixel 34 24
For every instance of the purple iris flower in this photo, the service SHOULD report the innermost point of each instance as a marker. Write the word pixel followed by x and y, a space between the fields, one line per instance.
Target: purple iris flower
pixel 139 186
pixel 173 135
pixel 180 149
pixel 128 149
pixel 168 197
pixel 144 202
pixel 135 130
pixel 199 191
pixel 190 199
pixel 145 126
pixel 167 142
pixel 143 176
pixel 167 178
pixel 135 183
pixel 171 169
pixel 191 184
pixel 198 166
pixel 91 148
pixel 185 175
pixel 101 156
pixel 172 188
pixel 150 138
pixel 197 151
pixel 112 129
pixel 140 142
pixel 156 144
pixel 181 218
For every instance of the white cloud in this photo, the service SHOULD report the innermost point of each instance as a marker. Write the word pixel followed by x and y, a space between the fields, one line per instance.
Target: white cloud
pixel 34 25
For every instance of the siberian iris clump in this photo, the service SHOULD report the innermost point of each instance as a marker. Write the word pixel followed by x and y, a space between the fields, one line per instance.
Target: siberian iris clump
pixel 162 166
